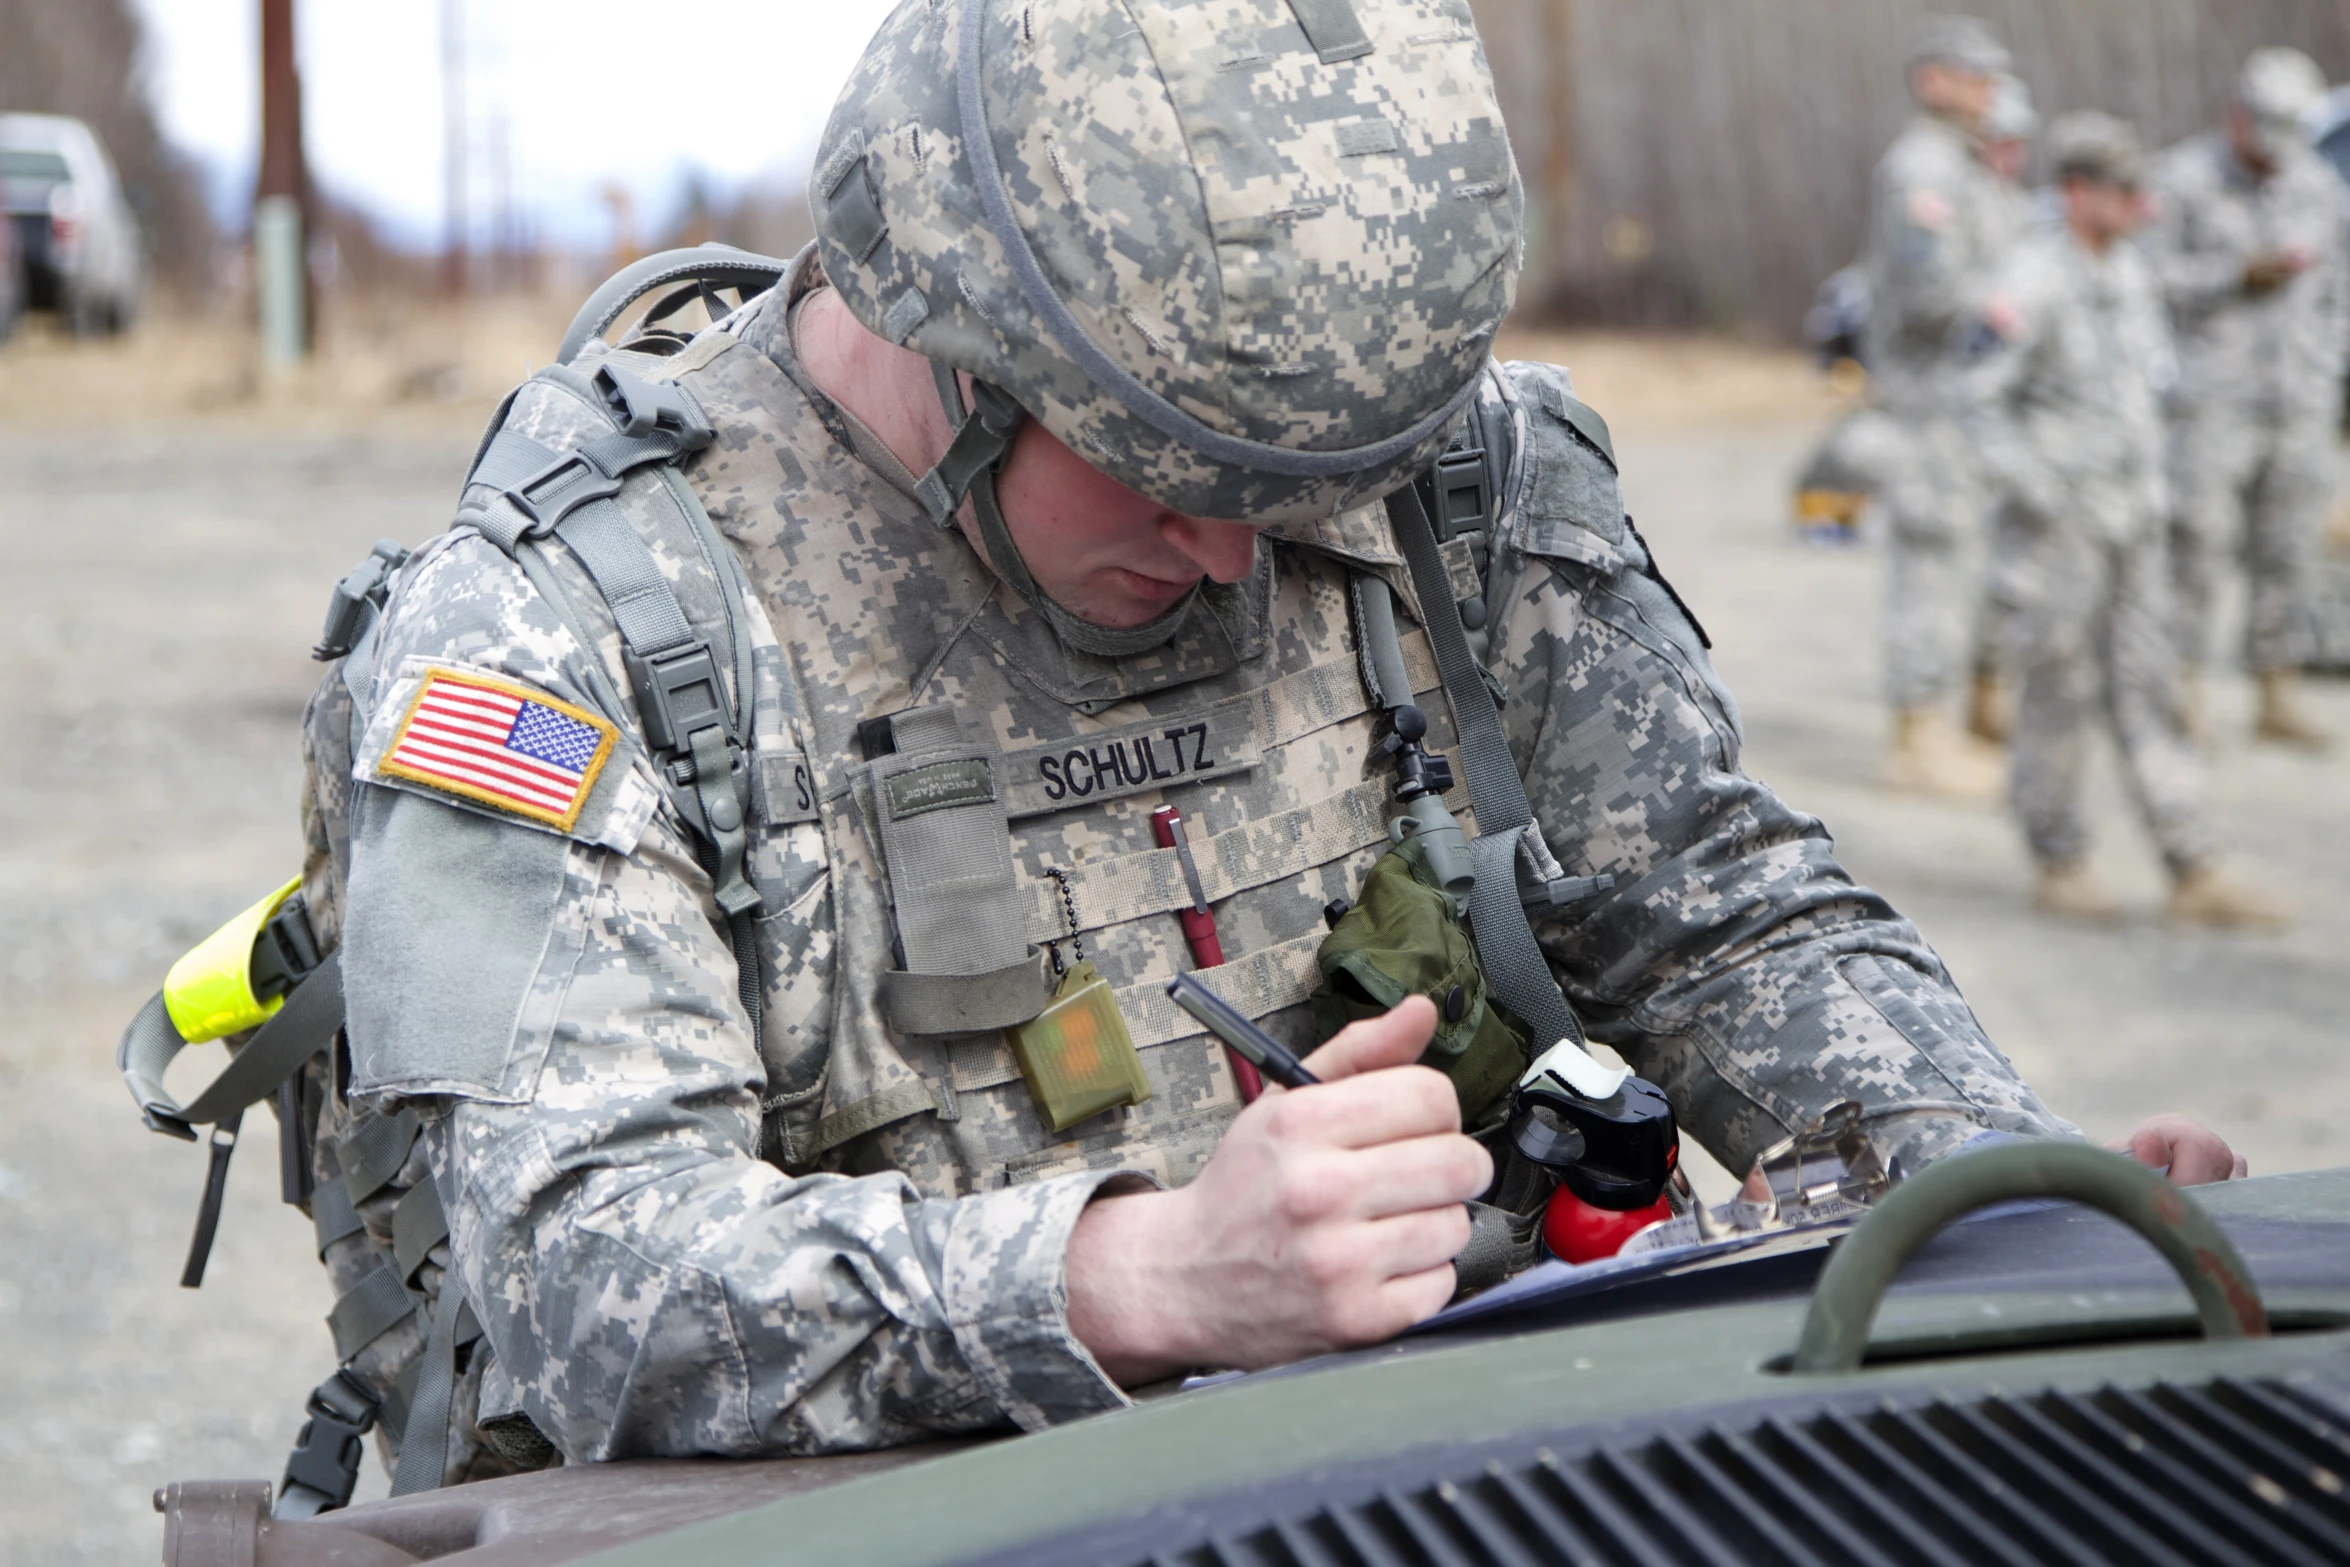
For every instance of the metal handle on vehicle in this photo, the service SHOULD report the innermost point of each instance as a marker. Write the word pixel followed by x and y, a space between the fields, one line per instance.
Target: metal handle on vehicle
pixel 1852 1286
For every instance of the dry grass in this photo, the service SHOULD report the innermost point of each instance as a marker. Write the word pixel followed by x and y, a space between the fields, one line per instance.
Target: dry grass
pixel 385 363
pixel 403 363
pixel 1665 379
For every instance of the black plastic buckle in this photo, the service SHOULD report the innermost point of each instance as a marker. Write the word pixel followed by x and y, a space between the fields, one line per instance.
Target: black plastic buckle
pixel 559 489
pixel 362 588
pixel 1463 498
pixel 1418 771
pixel 328 1452
pixel 678 695
pixel 285 950
pixel 643 407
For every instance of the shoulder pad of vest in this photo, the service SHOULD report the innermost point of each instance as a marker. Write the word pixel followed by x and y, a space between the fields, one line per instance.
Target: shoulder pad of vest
pixel 1568 504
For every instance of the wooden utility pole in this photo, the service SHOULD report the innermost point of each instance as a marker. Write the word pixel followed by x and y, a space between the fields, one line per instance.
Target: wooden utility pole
pixel 453 144
pixel 284 175
pixel 1560 163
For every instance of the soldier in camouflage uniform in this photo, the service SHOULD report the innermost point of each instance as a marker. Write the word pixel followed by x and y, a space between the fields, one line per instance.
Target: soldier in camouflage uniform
pixel 2249 243
pixel 1237 278
pixel 2065 407
pixel 1938 221
pixel 2009 127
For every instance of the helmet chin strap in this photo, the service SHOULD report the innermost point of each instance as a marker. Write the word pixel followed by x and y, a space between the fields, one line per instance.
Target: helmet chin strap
pixel 983 439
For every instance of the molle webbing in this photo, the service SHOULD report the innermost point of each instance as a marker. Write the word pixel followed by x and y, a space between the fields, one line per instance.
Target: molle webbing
pixel 938 801
pixel 1260 983
pixel 332 1214
pixel 1138 885
pixel 1254 854
pixel 367 1310
pixel 1230 736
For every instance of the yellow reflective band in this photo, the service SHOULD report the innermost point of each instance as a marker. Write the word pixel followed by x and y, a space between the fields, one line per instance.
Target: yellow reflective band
pixel 209 992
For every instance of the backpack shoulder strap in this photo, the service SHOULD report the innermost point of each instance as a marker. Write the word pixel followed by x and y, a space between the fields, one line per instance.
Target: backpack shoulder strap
pixel 690 675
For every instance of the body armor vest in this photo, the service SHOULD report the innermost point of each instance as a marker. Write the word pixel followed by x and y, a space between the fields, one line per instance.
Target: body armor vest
pixel 1255 721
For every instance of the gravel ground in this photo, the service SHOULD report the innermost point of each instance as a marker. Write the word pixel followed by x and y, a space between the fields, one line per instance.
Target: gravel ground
pixel 166 578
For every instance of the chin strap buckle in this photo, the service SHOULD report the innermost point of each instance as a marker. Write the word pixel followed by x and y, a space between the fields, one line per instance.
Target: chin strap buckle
pixel 983 439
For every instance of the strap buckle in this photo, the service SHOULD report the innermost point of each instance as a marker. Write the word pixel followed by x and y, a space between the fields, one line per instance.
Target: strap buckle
pixel 559 489
pixel 1462 492
pixel 323 1468
pixel 362 590
pixel 286 950
pixel 678 694
pixel 642 407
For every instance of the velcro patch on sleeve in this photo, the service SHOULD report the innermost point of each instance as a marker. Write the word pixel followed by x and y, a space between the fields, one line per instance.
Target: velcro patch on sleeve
pixel 501 745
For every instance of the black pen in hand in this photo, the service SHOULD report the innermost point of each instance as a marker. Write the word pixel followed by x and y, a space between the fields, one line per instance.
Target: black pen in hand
pixel 1229 1024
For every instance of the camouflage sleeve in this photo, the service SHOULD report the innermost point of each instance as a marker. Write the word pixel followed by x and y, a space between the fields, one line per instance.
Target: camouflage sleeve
pixel 2332 325
pixel 2196 276
pixel 649 1283
pixel 1997 376
pixel 653 1288
pixel 1732 961
pixel 1921 263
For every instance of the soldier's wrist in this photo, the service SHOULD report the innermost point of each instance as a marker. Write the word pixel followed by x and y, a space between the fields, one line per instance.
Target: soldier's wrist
pixel 1124 1305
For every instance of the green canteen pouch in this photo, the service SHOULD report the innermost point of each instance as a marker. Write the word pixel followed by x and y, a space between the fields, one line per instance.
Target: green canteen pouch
pixel 1401 939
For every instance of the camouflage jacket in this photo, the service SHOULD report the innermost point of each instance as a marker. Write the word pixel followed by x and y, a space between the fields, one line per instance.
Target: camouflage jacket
pixel 2066 413
pixel 683 1239
pixel 1939 223
pixel 2275 356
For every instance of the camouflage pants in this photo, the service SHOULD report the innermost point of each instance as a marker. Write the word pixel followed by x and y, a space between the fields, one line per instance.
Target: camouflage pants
pixel 1933 514
pixel 2257 489
pixel 2012 573
pixel 2095 643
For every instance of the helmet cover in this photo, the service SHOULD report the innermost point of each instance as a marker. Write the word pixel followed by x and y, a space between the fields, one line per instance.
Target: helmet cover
pixel 1246 270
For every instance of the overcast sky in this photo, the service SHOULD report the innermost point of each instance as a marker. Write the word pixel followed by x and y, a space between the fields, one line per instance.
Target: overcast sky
pixel 594 91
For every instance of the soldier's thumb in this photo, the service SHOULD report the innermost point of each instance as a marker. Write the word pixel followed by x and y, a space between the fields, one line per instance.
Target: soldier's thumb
pixel 1396 1039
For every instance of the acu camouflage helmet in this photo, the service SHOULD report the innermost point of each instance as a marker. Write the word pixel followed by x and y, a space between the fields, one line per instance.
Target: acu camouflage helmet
pixel 1245 256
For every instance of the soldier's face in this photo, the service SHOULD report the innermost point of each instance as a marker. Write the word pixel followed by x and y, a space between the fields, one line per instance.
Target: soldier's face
pixel 2101 212
pixel 1947 89
pixel 1115 556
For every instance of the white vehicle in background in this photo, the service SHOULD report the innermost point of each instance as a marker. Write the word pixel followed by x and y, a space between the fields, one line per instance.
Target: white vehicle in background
pixel 77 245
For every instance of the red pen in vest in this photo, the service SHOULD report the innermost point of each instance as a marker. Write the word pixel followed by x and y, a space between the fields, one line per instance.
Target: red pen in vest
pixel 1199 930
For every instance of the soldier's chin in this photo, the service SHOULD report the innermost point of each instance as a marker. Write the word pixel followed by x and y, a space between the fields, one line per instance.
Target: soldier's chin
pixel 1120 599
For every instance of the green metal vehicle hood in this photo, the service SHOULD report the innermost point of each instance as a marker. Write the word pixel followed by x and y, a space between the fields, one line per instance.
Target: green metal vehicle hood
pixel 1719 1359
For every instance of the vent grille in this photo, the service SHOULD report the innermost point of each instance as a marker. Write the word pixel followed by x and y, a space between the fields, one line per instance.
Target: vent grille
pixel 2225 1472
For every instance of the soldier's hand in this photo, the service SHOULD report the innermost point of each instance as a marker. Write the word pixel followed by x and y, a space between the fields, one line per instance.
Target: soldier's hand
pixel 1329 1217
pixel 2272 270
pixel 2192 1152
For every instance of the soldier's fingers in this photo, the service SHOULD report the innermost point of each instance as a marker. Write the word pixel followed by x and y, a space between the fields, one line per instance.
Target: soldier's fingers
pixel 1367 1110
pixel 1393 1039
pixel 1411 1176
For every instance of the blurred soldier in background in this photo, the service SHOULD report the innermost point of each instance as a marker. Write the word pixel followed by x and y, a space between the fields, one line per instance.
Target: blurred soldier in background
pixel 2009 125
pixel 2008 128
pixel 2248 241
pixel 1851 462
pixel 2064 405
pixel 1936 225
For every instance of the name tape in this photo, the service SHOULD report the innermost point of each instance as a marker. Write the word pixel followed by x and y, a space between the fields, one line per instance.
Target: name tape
pixel 1151 754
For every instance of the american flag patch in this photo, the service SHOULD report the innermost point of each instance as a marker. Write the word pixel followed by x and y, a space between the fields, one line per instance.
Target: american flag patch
pixel 502 745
